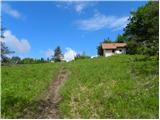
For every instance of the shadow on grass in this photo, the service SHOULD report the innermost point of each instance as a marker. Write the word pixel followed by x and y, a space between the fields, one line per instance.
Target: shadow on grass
pixel 18 107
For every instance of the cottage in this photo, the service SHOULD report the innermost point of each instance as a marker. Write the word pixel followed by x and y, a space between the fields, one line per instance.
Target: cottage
pixel 113 48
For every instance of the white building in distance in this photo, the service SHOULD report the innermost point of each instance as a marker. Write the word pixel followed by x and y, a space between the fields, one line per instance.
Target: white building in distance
pixel 113 48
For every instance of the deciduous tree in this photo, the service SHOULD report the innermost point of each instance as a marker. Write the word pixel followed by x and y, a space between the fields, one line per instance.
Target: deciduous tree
pixel 142 32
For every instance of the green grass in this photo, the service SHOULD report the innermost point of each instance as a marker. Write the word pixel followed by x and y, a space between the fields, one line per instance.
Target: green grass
pixel 121 86
pixel 22 85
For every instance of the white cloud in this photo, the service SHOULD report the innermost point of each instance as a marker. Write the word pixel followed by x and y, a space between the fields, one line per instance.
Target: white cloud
pixel 6 8
pixel 69 54
pixel 49 53
pixel 100 21
pixel 15 44
pixel 80 6
pixel 77 6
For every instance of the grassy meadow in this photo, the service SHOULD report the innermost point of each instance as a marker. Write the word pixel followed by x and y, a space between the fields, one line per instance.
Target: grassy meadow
pixel 22 85
pixel 120 86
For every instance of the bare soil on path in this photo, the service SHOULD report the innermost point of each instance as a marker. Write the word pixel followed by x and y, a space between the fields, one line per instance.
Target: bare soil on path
pixel 48 106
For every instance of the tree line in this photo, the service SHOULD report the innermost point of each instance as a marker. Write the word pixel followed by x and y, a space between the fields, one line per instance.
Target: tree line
pixel 56 57
pixel 18 60
pixel 5 60
pixel 142 32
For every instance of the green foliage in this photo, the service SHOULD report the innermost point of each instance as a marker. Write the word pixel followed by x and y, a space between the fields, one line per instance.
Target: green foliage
pixel 142 32
pixel 15 60
pixel 22 85
pixel 32 61
pixel 4 49
pixel 120 86
pixel 27 61
pixel 48 59
pixel 132 47
pixel 82 56
pixel 4 52
pixel 107 40
pixel 120 39
pixel 57 54
pixel 100 50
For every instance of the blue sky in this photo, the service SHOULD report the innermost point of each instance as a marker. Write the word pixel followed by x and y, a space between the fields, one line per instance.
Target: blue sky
pixel 34 29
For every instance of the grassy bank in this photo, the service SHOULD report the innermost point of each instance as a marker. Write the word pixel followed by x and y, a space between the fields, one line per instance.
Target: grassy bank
pixel 121 86
pixel 22 85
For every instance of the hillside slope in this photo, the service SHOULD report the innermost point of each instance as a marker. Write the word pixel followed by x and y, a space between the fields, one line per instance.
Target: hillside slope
pixel 22 87
pixel 120 86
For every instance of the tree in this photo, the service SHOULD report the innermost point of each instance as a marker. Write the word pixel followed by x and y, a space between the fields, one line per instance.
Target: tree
pixel 4 49
pixel 48 60
pixel 57 54
pixel 15 60
pixel 108 40
pixel 82 56
pixel 42 60
pixel 100 50
pixel 4 52
pixel 120 39
pixel 132 47
pixel 28 61
pixel 142 32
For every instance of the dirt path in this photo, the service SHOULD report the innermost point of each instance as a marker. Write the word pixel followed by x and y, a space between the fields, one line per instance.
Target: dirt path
pixel 53 96
pixel 48 106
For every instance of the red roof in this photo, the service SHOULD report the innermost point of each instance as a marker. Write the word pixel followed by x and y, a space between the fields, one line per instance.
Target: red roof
pixel 113 45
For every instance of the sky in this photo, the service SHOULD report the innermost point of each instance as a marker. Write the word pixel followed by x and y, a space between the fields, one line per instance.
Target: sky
pixel 35 29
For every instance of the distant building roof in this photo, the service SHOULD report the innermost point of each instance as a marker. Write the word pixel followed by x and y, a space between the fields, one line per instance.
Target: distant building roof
pixel 113 45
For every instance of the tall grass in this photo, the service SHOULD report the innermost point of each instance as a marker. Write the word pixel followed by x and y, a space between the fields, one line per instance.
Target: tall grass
pixel 22 85
pixel 121 86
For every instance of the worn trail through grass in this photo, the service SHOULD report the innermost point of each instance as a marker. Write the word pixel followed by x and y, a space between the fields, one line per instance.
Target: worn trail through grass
pixel 48 106
pixel 52 96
